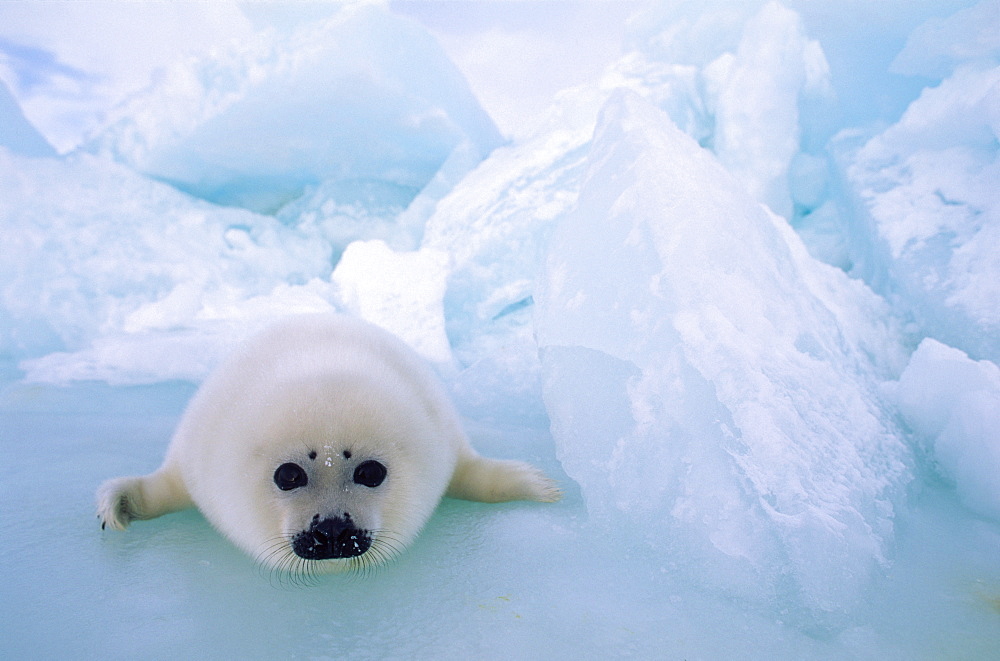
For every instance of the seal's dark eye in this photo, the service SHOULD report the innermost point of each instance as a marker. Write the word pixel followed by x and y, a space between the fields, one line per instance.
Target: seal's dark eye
pixel 290 476
pixel 369 473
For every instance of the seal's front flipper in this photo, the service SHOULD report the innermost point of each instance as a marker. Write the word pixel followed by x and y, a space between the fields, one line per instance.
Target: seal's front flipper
pixel 497 481
pixel 126 499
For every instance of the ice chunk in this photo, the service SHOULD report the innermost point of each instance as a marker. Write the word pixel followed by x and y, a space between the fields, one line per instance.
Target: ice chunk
pixel 762 91
pixel 16 132
pixel 343 211
pixel 113 270
pixel 930 216
pixel 687 33
pixel 940 44
pixel 711 386
pixel 402 292
pixel 953 404
pixel 495 223
pixel 497 220
pixel 756 108
pixel 362 96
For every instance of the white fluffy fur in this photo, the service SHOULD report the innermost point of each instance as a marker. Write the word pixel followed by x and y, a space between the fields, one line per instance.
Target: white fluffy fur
pixel 324 384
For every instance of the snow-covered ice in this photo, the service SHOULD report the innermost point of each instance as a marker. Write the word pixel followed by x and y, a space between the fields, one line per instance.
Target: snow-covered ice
pixel 736 289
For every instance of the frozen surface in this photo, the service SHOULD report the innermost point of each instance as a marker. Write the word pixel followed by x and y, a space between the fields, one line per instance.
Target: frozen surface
pixel 735 288
pixel 514 581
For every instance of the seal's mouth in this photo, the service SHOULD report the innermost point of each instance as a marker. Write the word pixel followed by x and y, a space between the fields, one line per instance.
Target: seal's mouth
pixel 332 537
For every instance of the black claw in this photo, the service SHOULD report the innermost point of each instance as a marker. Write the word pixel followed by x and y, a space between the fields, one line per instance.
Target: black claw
pixel 103 523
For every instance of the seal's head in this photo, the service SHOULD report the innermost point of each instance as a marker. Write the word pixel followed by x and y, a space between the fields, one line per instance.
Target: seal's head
pixel 335 535
pixel 338 485
pixel 339 474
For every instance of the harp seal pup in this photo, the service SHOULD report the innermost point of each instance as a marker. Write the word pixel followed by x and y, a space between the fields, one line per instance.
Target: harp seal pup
pixel 324 444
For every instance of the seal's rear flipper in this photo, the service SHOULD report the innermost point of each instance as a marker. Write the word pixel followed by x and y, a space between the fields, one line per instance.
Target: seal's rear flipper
pixel 497 481
pixel 126 499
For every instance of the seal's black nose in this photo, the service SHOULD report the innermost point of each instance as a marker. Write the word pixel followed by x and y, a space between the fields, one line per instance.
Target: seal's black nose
pixel 333 537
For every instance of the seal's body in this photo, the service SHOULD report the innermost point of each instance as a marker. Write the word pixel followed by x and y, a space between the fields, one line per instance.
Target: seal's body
pixel 325 443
